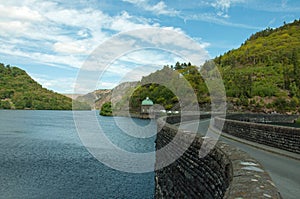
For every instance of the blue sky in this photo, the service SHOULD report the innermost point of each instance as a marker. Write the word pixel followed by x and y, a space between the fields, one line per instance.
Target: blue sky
pixel 51 40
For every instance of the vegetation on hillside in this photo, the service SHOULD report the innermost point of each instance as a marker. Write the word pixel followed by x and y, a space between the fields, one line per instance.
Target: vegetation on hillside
pixel 106 109
pixel 94 98
pixel 166 93
pixel 19 91
pixel 265 48
pixel 263 75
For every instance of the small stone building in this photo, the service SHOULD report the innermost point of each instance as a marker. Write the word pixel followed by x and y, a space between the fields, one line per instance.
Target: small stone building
pixel 146 105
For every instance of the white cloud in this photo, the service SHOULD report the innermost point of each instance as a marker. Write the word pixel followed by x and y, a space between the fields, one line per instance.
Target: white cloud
pixel 131 47
pixel 130 55
pixel 54 34
pixel 117 69
pixel 61 85
pixel 13 28
pixel 87 18
pixel 21 13
pixel 125 22
pixel 75 47
pixel 159 9
pixel 59 34
pixel 137 73
pixel 222 6
pixel 48 59
pixel 107 85
pixel 211 18
pixel 174 41
pixel 83 33
pixel 149 57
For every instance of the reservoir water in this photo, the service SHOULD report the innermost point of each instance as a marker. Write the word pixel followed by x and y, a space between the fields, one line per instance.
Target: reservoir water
pixel 41 156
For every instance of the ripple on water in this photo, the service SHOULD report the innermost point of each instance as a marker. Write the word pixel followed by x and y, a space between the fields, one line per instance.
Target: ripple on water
pixel 42 161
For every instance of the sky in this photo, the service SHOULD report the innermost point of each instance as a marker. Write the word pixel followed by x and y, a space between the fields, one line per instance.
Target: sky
pixel 53 41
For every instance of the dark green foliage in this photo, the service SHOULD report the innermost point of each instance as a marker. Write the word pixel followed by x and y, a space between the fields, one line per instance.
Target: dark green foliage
pixel 106 109
pixel 157 93
pixel 268 47
pixel 282 105
pixel 164 95
pixel 296 69
pixel 262 75
pixel 19 91
pixel 5 105
pixel 266 65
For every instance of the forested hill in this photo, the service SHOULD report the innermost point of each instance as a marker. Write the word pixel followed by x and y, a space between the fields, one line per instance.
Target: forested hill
pixel 19 91
pixel 264 73
pixel 266 48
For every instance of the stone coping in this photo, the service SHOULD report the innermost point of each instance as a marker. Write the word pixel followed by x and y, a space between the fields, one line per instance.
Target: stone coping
pixel 246 176
pixel 281 137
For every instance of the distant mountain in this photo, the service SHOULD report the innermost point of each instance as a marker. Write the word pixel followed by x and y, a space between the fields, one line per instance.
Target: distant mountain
pixel 121 94
pixel 19 91
pixel 98 97
pixel 72 96
pixel 101 96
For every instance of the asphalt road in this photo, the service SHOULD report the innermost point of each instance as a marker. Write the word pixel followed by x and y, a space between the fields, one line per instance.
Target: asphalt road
pixel 284 171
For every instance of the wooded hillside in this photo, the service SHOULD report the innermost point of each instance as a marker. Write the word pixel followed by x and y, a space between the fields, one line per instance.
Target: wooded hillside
pixel 263 75
pixel 19 91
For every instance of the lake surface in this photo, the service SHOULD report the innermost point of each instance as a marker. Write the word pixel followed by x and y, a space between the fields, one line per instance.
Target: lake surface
pixel 41 156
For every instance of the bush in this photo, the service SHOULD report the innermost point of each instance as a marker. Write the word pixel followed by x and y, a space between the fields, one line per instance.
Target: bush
pixel 4 105
pixel 281 105
pixel 264 90
pixel 244 101
pixel 106 109
pixel 252 101
pixel 269 105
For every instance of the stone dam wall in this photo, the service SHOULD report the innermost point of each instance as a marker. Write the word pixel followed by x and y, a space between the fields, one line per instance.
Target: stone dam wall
pixel 281 137
pixel 263 118
pixel 225 172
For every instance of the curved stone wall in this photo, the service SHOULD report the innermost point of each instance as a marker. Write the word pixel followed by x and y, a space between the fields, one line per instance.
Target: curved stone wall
pixel 225 172
pixel 262 118
pixel 281 137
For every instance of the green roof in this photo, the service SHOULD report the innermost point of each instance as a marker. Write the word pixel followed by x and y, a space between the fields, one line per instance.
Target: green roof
pixel 147 102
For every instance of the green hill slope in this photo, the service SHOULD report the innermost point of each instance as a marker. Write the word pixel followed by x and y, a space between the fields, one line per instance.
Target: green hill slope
pixel 169 83
pixel 265 48
pixel 264 73
pixel 19 91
